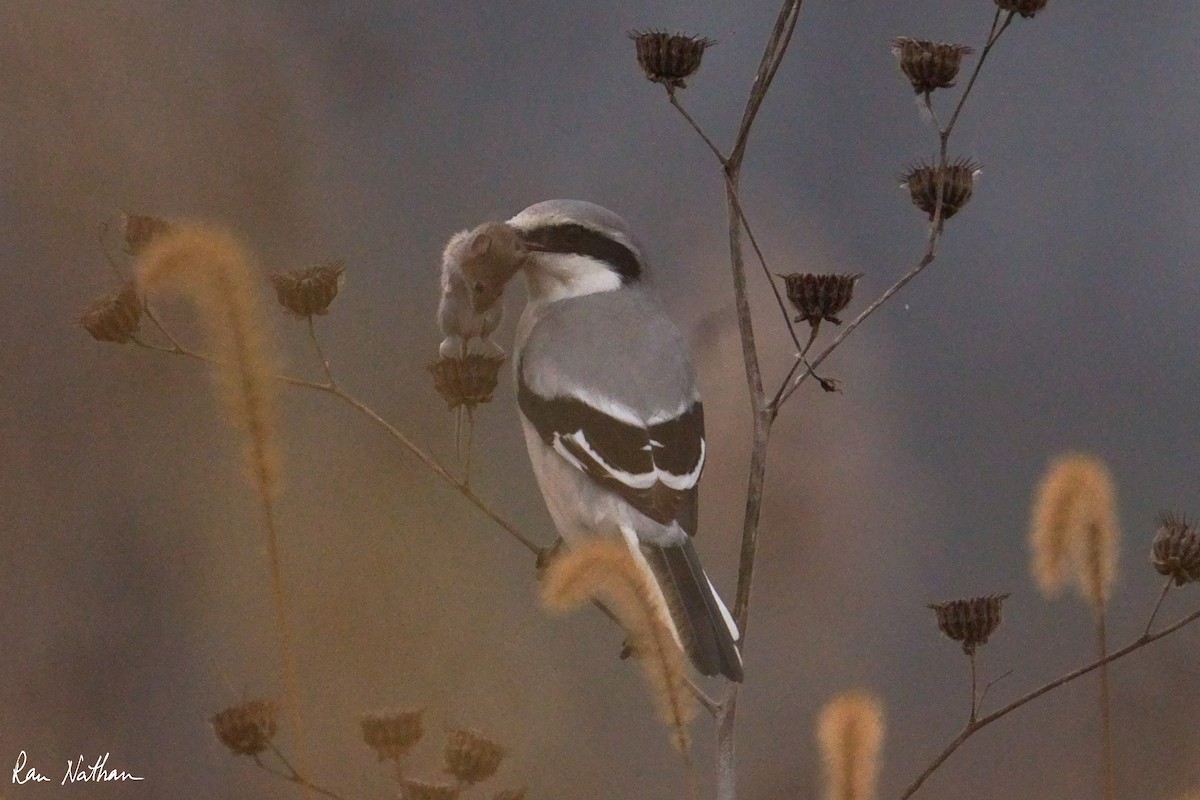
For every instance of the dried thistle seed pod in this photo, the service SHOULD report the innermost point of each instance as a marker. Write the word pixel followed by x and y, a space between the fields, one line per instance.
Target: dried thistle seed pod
pixel 392 734
pixel 669 58
pixel 425 790
pixel 138 230
pixel 114 317
pixel 1176 549
pixel 1026 8
pixel 466 381
pixel 819 297
pixel 472 757
pixel 305 292
pixel 958 179
pixel 247 729
pixel 970 621
pixel 929 65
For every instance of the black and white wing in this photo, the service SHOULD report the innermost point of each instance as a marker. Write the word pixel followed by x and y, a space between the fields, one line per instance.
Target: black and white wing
pixel 653 465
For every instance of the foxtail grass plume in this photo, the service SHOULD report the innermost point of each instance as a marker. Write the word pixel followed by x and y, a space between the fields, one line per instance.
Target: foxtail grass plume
pixel 1074 534
pixel 210 267
pixel 604 569
pixel 850 735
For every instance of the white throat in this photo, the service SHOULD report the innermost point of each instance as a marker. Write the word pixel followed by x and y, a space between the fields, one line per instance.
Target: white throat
pixel 558 276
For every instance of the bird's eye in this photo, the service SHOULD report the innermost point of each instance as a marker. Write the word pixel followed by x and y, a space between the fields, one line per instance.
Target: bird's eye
pixel 478 286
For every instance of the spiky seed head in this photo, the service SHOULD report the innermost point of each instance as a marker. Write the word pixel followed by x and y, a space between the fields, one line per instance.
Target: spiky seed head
pixel 929 65
pixel 472 757
pixel 138 230
pixel 957 178
pixel 1176 549
pixel 305 292
pixel 669 58
pixel 970 621
pixel 391 734
pixel 819 297
pixel 247 729
pixel 115 316
pixel 1026 8
pixel 427 790
pixel 466 381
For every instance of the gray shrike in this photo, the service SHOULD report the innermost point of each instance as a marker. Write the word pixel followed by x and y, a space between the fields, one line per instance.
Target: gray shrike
pixel 612 414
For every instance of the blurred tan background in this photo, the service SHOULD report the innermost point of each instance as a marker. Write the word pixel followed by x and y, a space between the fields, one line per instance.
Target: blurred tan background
pixel 1060 315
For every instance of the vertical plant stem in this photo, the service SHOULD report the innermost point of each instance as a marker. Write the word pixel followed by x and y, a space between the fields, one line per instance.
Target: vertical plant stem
pixel 1108 748
pixel 726 747
pixel 974 686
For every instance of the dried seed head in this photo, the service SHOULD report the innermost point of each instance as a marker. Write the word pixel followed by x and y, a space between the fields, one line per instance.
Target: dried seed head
pixel 139 230
pixel 970 621
pixel 247 729
pixel 472 757
pixel 392 734
pixel 1026 8
pixel 669 58
pixel 1176 549
pixel 466 381
pixel 929 65
pixel 819 297
pixel 305 292
pixel 511 794
pixel 957 178
pixel 114 317
pixel 425 790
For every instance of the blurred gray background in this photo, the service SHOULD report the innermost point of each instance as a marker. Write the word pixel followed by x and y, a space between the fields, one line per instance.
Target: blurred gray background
pixel 1061 314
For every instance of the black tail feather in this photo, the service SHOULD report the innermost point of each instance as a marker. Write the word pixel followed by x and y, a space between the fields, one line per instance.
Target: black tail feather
pixel 694 610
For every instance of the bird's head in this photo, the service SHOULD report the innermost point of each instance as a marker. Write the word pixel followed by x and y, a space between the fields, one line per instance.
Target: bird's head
pixel 576 248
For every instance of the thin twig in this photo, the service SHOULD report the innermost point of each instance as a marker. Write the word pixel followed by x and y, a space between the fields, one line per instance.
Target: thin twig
pixel 982 722
pixel 736 199
pixel 716 151
pixel 312 334
pixel 293 775
pixel 1158 604
pixel 988 687
pixel 333 389
pixel 935 227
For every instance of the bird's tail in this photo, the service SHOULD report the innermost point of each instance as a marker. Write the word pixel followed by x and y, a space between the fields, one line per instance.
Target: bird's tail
pixel 705 627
